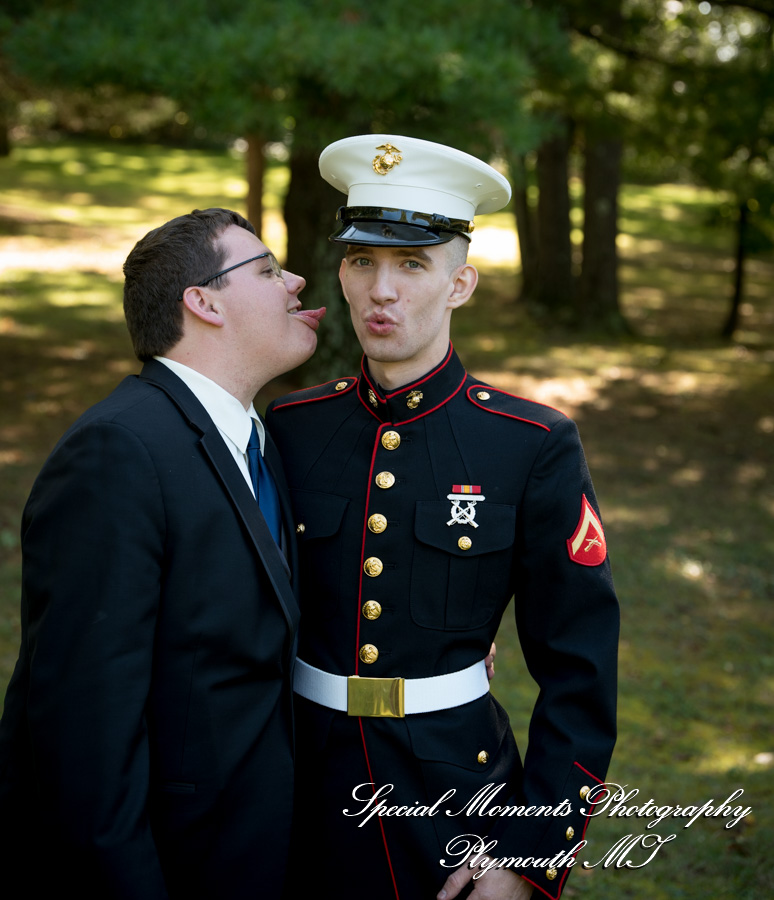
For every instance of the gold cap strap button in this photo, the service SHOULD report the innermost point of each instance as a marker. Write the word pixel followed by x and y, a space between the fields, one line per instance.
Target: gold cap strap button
pixel 377 523
pixel 373 566
pixel 368 654
pixel 390 440
pixel 385 480
pixel 372 610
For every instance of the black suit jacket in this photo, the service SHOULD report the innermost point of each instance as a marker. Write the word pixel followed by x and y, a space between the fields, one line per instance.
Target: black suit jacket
pixel 146 746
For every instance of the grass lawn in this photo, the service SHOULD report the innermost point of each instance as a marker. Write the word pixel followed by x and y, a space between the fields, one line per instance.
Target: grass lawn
pixel 678 428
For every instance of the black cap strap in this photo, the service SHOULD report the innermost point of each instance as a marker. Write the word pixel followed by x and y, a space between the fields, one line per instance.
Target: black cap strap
pixel 429 221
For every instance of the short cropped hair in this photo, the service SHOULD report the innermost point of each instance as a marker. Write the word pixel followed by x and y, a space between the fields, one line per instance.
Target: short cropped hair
pixel 162 265
pixel 457 252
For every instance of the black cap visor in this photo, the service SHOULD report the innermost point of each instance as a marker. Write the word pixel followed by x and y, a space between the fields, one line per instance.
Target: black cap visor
pixel 375 227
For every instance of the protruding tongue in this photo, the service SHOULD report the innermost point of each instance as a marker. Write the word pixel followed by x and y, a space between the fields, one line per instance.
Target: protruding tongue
pixel 312 317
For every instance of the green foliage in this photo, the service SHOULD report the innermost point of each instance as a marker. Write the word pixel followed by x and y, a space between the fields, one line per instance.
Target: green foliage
pixel 678 429
pixel 456 71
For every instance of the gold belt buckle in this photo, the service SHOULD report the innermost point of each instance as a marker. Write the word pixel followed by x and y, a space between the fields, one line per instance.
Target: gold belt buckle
pixel 375 697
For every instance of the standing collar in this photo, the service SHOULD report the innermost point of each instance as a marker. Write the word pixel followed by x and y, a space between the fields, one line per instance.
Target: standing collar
pixel 414 400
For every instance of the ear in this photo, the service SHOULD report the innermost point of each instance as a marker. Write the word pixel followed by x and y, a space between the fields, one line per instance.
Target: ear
pixel 342 270
pixel 463 285
pixel 200 303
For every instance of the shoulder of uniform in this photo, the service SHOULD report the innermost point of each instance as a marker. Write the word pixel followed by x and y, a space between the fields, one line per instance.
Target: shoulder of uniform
pixel 337 388
pixel 501 403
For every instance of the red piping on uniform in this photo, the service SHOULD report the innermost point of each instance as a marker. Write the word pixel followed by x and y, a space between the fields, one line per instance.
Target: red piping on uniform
pixel 598 780
pixel 508 415
pixel 324 397
pixel 442 403
pixel 370 383
pixel 519 397
pixel 362 549
pixel 381 823
pixel 366 406
pixel 427 377
pixel 583 836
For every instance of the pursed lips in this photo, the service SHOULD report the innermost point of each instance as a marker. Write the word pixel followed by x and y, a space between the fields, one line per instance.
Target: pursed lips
pixel 379 323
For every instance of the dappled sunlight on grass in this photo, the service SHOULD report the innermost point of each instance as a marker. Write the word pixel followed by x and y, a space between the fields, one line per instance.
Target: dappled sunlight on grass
pixel 677 425
pixel 567 394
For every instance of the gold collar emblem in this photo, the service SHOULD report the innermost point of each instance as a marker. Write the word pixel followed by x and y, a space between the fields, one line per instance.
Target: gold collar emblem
pixel 388 160
pixel 372 397
pixel 413 399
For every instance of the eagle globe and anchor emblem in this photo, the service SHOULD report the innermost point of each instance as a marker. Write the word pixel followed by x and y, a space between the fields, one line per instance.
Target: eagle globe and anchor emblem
pixel 388 160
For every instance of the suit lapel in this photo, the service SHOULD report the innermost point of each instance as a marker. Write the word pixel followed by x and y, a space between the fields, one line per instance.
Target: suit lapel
pixel 233 483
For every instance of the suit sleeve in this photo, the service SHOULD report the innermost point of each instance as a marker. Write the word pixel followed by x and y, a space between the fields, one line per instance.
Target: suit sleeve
pixel 92 538
pixel 568 619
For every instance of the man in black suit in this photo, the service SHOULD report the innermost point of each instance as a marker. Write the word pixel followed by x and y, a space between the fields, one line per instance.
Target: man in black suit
pixel 146 746
pixel 424 500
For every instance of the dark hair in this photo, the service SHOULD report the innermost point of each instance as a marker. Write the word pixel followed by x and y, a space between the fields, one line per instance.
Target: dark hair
pixel 162 265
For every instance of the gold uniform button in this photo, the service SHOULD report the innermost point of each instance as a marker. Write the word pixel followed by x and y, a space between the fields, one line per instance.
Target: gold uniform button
pixel 483 757
pixel 583 791
pixel 464 543
pixel 377 523
pixel 414 399
pixel 483 395
pixel 373 566
pixel 368 654
pixel 341 385
pixel 570 833
pixel 390 440
pixel 385 480
pixel 372 610
pixel 300 528
pixel 551 874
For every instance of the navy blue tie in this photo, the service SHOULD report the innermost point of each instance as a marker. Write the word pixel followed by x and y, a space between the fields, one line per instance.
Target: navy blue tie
pixel 263 485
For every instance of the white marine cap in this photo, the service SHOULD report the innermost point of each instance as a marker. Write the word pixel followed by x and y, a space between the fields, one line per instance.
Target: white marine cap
pixel 408 192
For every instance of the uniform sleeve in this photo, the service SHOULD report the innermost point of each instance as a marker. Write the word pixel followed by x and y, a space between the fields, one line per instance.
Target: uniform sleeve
pixel 92 539
pixel 568 621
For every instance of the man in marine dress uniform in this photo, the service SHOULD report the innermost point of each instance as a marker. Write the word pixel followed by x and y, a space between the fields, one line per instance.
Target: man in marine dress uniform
pixel 424 500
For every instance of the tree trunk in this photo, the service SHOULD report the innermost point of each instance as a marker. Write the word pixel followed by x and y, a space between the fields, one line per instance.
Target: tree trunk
pixel 526 227
pixel 554 255
pixel 598 305
pixel 310 211
pixel 256 168
pixel 732 322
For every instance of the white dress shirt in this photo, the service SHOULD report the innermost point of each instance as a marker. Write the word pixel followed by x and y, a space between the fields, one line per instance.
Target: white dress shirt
pixel 232 420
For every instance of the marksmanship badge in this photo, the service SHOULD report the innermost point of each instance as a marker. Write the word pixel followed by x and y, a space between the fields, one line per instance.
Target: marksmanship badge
pixel 587 546
pixel 470 494
pixel 388 160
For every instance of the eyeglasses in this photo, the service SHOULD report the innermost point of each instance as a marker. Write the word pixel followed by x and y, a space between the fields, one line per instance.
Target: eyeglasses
pixel 276 268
